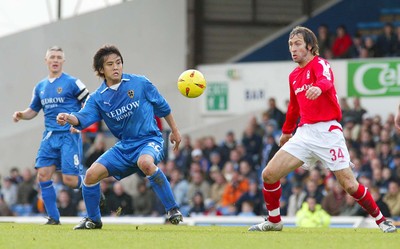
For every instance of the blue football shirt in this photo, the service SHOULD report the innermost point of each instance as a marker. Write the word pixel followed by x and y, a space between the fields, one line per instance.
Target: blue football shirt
pixel 128 108
pixel 64 94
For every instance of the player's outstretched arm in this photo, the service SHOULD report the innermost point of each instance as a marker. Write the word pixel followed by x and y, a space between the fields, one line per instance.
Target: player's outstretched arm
pixel 26 114
pixel 63 118
pixel 175 136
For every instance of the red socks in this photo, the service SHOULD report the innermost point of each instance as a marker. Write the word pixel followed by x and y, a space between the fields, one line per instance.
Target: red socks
pixel 272 193
pixel 364 198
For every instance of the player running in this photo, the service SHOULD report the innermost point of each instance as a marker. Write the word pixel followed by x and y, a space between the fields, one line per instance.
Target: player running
pixel 127 103
pixel 319 135
pixel 60 149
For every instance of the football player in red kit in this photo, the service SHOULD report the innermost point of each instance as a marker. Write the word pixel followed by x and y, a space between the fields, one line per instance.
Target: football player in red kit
pixel 318 137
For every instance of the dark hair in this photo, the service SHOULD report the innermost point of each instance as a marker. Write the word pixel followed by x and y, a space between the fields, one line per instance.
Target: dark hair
pixel 309 38
pixel 100 56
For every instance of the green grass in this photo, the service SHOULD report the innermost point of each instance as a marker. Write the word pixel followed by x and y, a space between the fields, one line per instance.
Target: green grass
pixel 17 235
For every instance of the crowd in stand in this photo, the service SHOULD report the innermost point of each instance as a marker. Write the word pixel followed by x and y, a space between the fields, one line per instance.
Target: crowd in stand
pixel 223 178
pixel 343 45
pixel 210 177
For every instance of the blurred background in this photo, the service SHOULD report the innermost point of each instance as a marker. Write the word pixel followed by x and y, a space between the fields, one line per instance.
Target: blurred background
pixel 241 48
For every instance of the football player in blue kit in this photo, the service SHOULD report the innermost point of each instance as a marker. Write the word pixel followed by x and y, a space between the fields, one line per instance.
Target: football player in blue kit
pixel 60 148
pixel 127 103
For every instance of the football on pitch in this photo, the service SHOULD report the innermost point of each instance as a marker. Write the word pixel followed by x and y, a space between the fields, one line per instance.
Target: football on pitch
pixel 191 83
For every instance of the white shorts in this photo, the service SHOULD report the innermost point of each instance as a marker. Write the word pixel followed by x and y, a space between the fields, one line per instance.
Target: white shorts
pixel 322 142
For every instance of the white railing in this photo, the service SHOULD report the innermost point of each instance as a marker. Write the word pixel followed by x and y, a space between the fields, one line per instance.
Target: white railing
pixel 336 221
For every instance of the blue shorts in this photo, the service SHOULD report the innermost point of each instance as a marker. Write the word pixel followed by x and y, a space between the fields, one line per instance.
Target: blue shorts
pixel 121 159
pixel 62 149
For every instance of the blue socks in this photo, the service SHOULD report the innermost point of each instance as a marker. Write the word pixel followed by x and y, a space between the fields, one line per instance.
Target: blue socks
pixel 91 195
pixel 49 199
pixel 163 190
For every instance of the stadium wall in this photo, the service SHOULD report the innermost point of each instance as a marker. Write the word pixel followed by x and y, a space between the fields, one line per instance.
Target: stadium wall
pixel 151 35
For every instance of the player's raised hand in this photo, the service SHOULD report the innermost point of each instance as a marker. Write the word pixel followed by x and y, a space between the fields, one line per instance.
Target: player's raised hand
pixel 17 116
pixel 175 138
pixel 62 118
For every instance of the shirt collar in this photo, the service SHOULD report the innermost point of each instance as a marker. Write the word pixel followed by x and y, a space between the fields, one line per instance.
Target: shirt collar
pixel 114 87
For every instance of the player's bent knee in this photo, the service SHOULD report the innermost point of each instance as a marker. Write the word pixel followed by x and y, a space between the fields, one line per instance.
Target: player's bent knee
pixel 91 177
pixel 269 177
pixel 146 165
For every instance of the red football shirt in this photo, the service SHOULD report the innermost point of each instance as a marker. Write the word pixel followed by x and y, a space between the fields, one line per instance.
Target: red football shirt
pixel 324 108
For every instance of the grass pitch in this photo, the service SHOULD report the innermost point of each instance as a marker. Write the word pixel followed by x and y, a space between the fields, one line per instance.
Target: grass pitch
pixel 17 235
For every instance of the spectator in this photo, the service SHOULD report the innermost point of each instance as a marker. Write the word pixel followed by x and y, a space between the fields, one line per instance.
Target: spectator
pixel 246 209
pixel 227 146
pixel 25 194
pixel 258 129
pixel 325 41
pixel 95 150
pixel 198 184
pixel 37 205
pixel 386 42
pixel 357 47
pixel 333 202
pixel 235 188
pixel 180 187
pixel 312 214
pixel 143 202
pixel 218 185
pixel 216 160
pixel 286 186
pixel 9 191
pixel 313 191
pixel 247 171
pixel 65 204
pixel 81 209
pixel 392 198
pixel 197 157
pixel 183 156
pixel 4 208
pixel 197 208
pixel 252 197
pixel 351 207
pixel 120 203
pixel 210 147
pixel 296 199
pixel 342 43
pixel 369 50
pixel 275 113
pixel 15 175
pixel 252 143
pixel 358 111
pixel 211 208
pixel 270 147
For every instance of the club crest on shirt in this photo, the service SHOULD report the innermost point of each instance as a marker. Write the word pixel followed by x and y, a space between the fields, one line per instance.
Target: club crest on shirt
pixel 131 93
pixel 59 90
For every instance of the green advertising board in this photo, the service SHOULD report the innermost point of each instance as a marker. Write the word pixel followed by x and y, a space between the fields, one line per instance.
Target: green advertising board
pixel 217 96
pixel 371 79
